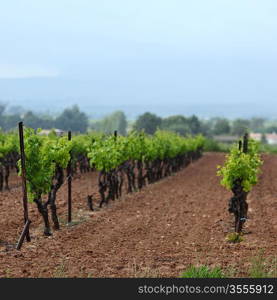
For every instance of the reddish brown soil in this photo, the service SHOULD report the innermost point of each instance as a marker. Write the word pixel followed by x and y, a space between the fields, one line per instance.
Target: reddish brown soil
pixel 158 231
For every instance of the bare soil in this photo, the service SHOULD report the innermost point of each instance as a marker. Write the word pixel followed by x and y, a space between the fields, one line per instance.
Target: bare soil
pixel 159 231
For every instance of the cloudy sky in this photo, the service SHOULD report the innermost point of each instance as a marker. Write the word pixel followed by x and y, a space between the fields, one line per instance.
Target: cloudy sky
pixel 140 51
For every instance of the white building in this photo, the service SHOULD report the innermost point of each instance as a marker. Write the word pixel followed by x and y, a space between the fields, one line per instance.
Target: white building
pixel 270 137
pixel 58 132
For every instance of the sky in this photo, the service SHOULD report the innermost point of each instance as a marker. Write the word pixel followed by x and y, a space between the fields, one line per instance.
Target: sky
pixel 146 52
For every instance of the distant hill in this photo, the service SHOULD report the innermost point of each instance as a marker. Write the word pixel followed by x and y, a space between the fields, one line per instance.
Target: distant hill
pixel 53 95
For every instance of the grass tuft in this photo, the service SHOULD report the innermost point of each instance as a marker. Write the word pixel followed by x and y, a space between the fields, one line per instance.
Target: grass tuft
pixel 262 267
pixel 140 271
pixel 234 237
pixel 203 272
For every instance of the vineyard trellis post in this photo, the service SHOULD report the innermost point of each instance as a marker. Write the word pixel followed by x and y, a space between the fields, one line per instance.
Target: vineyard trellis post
pixel 23 235
pixel 25 232
pixel 115 135
pixel 69 186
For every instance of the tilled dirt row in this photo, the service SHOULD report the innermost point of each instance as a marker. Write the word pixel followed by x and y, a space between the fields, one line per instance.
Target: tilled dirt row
pixel 158 231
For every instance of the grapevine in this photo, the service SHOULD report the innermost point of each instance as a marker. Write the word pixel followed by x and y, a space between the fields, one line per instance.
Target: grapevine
pixel 240 174
pixel 46 159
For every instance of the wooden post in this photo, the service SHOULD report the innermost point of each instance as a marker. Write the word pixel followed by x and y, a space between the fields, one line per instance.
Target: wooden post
pixel 23 234
pixel 69 186
pixel 245 143
pixel 115 135
pixel 23 177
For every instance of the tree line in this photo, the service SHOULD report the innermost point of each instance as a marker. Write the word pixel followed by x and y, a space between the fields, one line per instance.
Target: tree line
pixel 211 127
pixel 70 119
pixel 74 119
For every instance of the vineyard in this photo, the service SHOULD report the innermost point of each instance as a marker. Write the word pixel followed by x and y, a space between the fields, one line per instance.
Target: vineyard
pixel 115 206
